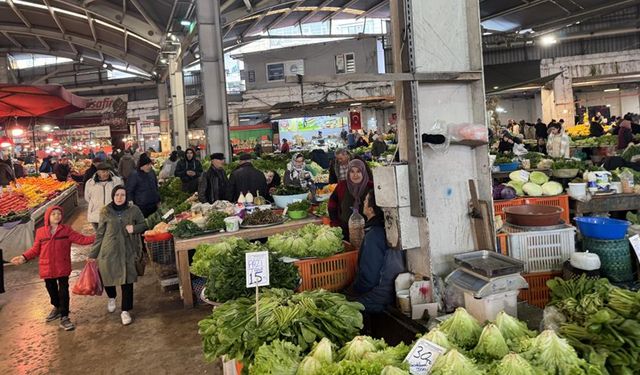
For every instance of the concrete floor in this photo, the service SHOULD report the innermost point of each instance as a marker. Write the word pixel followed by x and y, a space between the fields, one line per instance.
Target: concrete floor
pixel 163 339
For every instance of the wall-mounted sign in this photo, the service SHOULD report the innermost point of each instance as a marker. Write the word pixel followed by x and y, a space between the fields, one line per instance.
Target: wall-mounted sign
pixel 277 71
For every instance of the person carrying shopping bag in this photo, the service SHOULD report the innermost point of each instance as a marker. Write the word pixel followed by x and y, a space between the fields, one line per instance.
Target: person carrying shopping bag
pixel 53 246
pixel 117 249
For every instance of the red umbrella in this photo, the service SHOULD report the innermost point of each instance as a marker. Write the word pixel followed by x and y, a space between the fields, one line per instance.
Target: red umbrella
pixel 35 101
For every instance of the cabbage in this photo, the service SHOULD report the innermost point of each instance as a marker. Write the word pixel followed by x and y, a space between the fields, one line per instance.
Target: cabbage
pixel 513 330
pixel 356 349
pixel 323 351
pixel 532 189
pixel 438 337
pixel 508 193
pixel 552 188
pixel 538 177
pixel 513 364
pixel 277 358
pixel 309 366
pixel 462 329
pixel 392 370
pixel 517 176
pixel 517 185
pixel 497 190
pixel 491 344
pixel 554 354
pixel 454 363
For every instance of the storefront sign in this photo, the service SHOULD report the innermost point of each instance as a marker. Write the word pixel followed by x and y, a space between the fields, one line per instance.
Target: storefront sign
pixel 257 269
pixel 79 133
pixel 111 109
pixel 422 357
pixel 149 129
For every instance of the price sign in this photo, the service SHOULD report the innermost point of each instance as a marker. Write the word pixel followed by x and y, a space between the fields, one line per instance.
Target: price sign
pixel 422 357
pixel 525 175
pixel 635 242
pixel 257 269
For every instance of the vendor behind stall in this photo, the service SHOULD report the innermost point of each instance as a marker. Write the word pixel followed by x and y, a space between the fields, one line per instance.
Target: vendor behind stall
pixel 189 170
pixel 214 184
pixel 297 173
pixel 62 169
pixel 246 178
pixel 378 266
pixel 7 174
pixel 273 181
pixel 349 195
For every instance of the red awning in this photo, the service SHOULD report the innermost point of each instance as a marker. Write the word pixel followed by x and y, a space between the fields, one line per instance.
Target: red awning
pixel 35 101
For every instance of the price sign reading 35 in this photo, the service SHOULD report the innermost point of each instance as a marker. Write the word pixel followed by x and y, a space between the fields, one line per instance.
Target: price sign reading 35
pixel 422 357
pixel 257 269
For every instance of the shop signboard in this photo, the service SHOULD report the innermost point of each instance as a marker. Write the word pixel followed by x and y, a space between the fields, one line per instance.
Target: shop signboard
pixel 111 109
pixel 276 72
pixel 78 133
pixel 149 129
pixel 308 127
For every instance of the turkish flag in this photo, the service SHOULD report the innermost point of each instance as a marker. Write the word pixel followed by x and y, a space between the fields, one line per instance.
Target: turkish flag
pixel 355 120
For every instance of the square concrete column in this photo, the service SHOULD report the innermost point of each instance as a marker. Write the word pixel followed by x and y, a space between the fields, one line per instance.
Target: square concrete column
pixel 178 106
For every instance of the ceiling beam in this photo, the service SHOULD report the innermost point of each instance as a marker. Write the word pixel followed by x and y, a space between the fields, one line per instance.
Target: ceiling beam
pixel 515 9
pixel 259 7
pixel 226 5
pixel 284 15
pixel 373 9
pixel 44 44
pixel 45 77
pixel 313 12
pixel 253 24
pixel 92 27
pixel 54 16
pixel 125 48
pixel 108 86
pixel 12 39
pixel 18 13
pixel 248 4
pixel 145 14
pixel 140 62
pixel 333 14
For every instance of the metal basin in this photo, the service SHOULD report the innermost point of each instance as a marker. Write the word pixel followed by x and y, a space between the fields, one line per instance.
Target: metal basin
pixel 532 215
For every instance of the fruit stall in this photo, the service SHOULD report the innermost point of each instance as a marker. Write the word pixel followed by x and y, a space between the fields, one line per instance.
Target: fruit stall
pixel 22 209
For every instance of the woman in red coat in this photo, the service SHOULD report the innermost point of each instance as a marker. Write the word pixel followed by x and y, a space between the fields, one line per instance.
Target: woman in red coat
pixel 349 195
pixel 53 246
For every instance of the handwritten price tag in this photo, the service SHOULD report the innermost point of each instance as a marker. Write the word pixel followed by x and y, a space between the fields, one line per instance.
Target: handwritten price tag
pixel 257 269
pixel 422 357
pixel 525 175
pixel 635 242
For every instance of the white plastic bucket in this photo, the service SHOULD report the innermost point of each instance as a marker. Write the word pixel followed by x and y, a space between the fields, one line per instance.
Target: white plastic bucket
pixel 232 224
pixel 577 189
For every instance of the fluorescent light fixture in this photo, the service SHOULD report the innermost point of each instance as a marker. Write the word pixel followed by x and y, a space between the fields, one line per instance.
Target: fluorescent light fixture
pixel 197 55
pixel 185 23
pixel 355 104
pixel 17 132
pixel 608 105
pixel 163 61
pixel 612 90
pixel 577 22
pixel 486 33
pixel 548 40
pixel 46 128
pixel 496 87
pixel 81 59
pixel 501 110
pixel 104 65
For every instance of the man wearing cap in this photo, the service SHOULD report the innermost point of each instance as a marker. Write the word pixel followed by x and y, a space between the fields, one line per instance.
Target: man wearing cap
pixel 97 192
pixel 214 185
pixel 142 187
pixel 91 171
pixel 246 178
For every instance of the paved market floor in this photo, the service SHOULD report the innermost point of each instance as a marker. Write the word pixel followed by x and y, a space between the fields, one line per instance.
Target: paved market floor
pixel 163 338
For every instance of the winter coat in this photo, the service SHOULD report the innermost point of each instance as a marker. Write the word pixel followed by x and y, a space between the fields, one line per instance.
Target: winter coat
pixel 285 148
pixel 7 174
pixel 115 249
pixel 558 145
pixel 126 165
pixel 98 194
pixel 62 171
pixel 55 250
pixel 246 178
pixel 142 189
pixel 596 129
pixel 213 186
pixel 189 183
pixel 46 166
pixel 341 204
pixel 378 267
pixel 541 130
pixel 378 148
pixel 625 136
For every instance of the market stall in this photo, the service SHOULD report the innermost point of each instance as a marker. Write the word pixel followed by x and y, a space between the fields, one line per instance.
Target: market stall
pixel 605 203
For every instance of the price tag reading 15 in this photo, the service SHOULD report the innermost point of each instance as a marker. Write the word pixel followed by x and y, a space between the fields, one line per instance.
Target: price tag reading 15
pixel 422 357
pixel 257 269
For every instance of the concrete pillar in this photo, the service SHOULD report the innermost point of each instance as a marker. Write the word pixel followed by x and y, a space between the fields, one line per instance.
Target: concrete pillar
pixel 165 124
pixel 563 94
pixel 5 74
pixel 178 106
pixel 547 103
pixel 213 76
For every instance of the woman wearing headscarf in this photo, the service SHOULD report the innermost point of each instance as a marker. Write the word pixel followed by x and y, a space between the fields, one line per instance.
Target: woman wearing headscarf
pixel 117 247
pixel 558 143
pixel 297 174
pixel 625 135
pixel 349 195
pixel 189 170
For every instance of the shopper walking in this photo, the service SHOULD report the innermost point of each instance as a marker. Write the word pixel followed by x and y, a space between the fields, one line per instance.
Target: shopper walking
pixel 97 192
pixel 189 170
pixel 117 248
pixel 142 187
pixel 62 169
pixel 126 165
pixel 349 195
pixel 214 184
pixel 53 245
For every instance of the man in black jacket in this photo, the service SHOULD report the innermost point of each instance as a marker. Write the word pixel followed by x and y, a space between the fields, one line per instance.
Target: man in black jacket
pixel 142 187
pixel 214 184
pixel 246 178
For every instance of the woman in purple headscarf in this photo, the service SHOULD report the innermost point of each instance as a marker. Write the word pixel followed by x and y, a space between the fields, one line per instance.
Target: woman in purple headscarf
pixel 348 195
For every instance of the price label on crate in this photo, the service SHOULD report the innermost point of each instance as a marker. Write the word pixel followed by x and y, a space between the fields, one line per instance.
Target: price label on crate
pixel 257 269
pixel 524 175
pixel 635 242
pixel 422 357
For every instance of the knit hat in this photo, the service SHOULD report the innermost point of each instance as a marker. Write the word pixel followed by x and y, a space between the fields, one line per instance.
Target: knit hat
pixel 144 160
pixel 217 156
pixel 245 156
pixel 103 166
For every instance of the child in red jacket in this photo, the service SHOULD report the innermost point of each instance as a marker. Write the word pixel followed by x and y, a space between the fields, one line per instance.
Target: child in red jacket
pixel 53 246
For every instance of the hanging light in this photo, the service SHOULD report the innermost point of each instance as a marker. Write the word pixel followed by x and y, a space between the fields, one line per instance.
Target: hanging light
pixel 5 142
pixel 17 132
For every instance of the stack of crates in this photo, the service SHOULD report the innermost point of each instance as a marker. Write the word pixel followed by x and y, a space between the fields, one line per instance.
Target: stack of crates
pixel 162 255
pixel 543 253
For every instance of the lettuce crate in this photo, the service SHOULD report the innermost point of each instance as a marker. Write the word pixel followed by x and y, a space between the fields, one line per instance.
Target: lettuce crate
pixel 333 273
pixel 541 251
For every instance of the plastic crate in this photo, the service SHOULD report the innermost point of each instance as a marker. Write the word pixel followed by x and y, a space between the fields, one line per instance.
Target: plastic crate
pixel 487 308
pixel 498 206
pixel 333 273
pixel 561 201
pixel 541 251
pixel 161 252
pixel 538 293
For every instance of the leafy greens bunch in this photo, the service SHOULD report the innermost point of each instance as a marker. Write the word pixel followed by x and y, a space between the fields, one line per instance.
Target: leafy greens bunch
pixel 309 241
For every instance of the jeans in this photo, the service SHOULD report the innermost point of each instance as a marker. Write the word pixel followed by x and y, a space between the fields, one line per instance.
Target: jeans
pixel 59 293
pixel 127 295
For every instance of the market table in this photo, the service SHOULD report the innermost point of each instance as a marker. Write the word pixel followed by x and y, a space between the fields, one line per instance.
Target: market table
pixel 16 240
pixel 606 203
pixel 183 245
